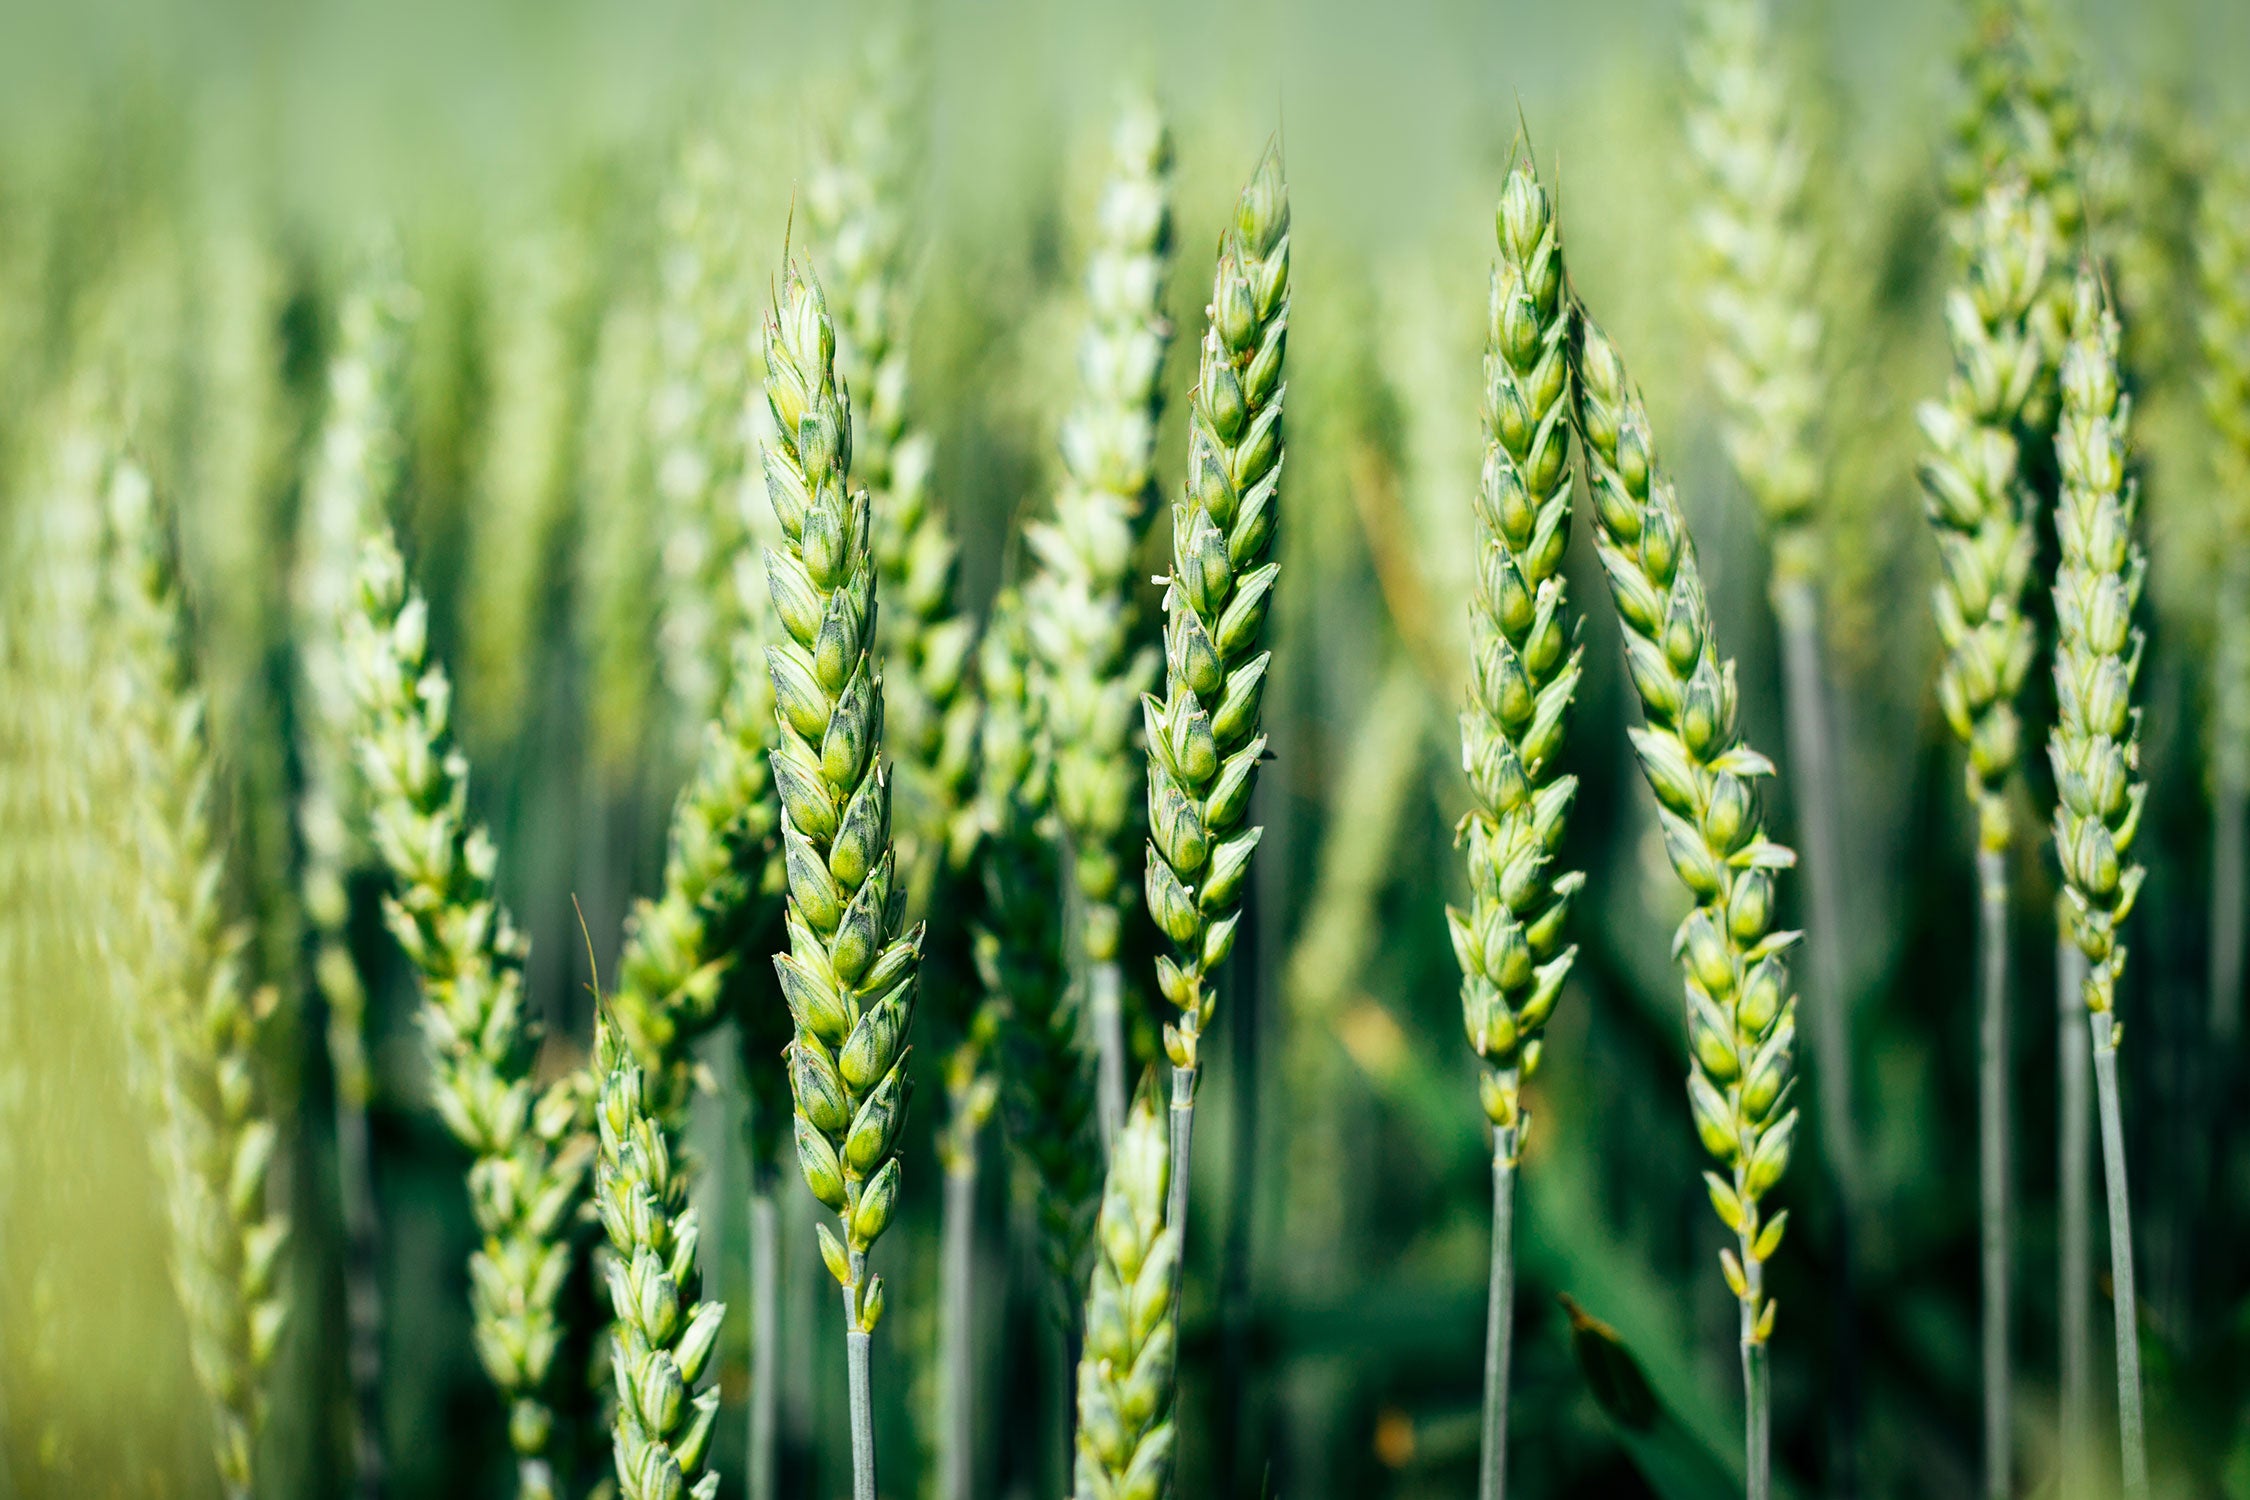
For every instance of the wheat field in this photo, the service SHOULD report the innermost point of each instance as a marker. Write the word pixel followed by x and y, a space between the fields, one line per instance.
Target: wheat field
pixel 973 750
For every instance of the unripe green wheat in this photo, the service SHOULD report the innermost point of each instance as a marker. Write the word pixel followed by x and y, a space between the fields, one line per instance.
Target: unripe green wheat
pixel 530 1146
pixel 217 1141
pixel 1126 1439
pixel 1741 1013
pixel 856 204
pixel 2095 752
pixel 1203 739
pixel 848 976
pixel 664 1333
pixel 1083 624
pixel 1524 667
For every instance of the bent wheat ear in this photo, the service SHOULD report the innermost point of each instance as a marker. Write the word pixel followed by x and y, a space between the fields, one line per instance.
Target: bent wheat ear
pixel 2095 752
pixel 1203 739
pixel 531 1145
pixel 1083 623
pixel 1524 667
pixel 1741 1012
pixel 848 975
pixel 1126 1440
pixel 664 1334
pixel 217 1137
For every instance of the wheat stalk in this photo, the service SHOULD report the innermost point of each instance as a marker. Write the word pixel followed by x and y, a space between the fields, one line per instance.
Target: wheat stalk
pixel 1090 669
pixel 664 1333
pixel 618 562
pixel 1741 1015
pixel 848 976
pixel 355 467
pixel 530 1145
pixel 1203 739
pixel 186 965
pixel 1126 1438
pixel 2095 752
pixel 1524 670
pixel 1979 509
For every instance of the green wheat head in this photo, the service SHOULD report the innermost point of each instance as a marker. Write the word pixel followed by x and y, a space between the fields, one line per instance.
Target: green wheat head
pixel 1741 1013
pixel 848 975
pixel 1524 664
pixel 1203 739
pixel 1126 1438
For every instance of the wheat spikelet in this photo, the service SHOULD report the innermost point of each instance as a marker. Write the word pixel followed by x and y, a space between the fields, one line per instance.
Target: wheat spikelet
pixel 1126 1439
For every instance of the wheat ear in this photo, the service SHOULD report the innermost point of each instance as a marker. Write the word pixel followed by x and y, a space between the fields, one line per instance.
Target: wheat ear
pixel 1126 1440
pixel 218 1140
pixel 856 204
pixel 1979 509
pixel 2095 752
pixel 1203 740
pixel 1084 627
pixel 848 975
pixel 355 467
pixel 531 1146
pixel 664 1333
pixel 1741 1014
pixel 1524 667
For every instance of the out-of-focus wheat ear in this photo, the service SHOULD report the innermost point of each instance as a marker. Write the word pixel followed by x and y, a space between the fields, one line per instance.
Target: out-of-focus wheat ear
pixel 1126 1442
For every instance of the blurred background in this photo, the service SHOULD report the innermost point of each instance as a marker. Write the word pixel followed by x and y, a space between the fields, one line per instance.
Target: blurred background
pixel 184 192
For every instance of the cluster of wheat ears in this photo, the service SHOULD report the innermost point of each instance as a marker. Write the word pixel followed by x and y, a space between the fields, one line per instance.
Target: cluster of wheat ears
pixel 913 840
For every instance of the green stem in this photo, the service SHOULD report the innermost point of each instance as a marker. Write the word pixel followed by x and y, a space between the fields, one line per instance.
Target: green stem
pixel 2074 1156
pixel 1812 763
pixel 856 1343
pixel 1106 990
pixel 1992 1123
pixel 1499 1316
pixel 957 1356
pixel 2230 849
pixel 1757 1410
pixel 1183 1139
pixel 2132 1441
pixel 765 1341
pixel 355 1185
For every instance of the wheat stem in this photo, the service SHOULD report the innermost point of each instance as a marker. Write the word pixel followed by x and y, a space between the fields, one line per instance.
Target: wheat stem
pixel 1105 984
pixel 1993 1178
pixel 1499 1317
pixel 765 1344
pixel 2132 1438
pixel 2073 1161
pixel 957 1329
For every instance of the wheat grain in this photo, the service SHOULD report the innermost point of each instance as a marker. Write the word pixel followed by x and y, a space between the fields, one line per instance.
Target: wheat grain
pixel 1126 1439
pixel 664 1332
pixel 218 1144
pixel 848 976
pixel 1741 1015
pixel 1524 669
pixel 1203 740
pixel 1090 668
pixel 355 467
pixel 530 1146
pixel 2095 752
